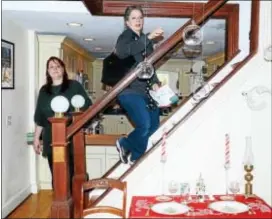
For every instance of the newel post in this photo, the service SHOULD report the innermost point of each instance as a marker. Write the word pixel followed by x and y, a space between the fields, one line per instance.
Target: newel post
pixel 80 173
pixel 62 206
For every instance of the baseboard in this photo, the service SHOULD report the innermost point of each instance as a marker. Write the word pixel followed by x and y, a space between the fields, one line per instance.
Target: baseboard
pixel 45 186
pixel 34 188
pixel 14 201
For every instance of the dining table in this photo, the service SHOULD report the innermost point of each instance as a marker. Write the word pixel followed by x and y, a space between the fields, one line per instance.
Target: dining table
pixel 195 207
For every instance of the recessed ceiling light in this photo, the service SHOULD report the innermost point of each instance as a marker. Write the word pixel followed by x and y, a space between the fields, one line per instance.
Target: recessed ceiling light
pixel 88 39
pixel 210 42
pixel 74 24
pixel 98 48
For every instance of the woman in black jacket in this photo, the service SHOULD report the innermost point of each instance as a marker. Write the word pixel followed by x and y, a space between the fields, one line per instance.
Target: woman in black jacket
pixel 135 99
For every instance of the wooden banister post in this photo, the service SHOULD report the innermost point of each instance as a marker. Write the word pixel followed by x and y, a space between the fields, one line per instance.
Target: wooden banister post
pixel 80 173
pixel 62 206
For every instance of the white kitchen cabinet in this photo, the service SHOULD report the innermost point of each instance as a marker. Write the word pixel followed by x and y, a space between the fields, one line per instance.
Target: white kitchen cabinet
pixel 112 157
pixel 116 124
pixel 109 123
pixel 99 159
pixel 95 164
pixel 95 161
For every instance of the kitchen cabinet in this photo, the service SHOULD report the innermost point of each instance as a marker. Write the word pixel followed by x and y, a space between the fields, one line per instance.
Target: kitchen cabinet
pixel 97 91
pixel 99 159
pixel 116 124
pixel 74 56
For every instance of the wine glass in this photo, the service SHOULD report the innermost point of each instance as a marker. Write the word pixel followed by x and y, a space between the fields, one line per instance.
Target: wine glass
pixel 173 186
pixel 185 191
pixel 234 187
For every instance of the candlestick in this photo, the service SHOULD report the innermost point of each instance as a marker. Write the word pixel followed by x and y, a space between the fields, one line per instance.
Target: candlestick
pixel 248 178
pixel 248 167
pixel 163 197
pixel 227 166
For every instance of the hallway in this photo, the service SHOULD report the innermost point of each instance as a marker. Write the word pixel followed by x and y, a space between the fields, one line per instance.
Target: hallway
pixel 35 206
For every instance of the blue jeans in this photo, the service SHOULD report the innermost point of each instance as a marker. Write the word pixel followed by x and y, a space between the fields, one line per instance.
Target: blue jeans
pixel 146 123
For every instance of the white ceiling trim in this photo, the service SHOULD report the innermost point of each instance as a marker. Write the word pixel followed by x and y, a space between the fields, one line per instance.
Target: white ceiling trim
pixel 46 6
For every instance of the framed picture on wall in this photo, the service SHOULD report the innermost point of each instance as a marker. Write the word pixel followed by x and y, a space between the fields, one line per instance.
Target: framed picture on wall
pixel 7 63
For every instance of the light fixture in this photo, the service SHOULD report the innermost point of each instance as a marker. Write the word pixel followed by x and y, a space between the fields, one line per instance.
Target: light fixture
pixel 98 48
pixel 59 105
pixel 146 70
pixel 88 39
pixel 78 101
pixel 192 34
pixel 74 24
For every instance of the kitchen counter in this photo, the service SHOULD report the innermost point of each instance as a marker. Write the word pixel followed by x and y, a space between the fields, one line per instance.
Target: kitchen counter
pixel 95 140
pixel 103 140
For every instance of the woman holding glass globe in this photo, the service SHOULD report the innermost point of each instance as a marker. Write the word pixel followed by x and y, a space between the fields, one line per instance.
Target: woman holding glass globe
pixel 57 83
pixel 135 99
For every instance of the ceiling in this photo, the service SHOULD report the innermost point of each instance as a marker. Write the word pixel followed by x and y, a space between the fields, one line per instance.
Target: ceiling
pixel 51 17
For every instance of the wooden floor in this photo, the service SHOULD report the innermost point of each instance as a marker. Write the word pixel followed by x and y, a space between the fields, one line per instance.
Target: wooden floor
pixel 35 206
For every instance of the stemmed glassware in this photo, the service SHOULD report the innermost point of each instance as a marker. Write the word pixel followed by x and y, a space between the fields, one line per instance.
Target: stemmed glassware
pixel 185 191
pixel 234 187
pixel 173 186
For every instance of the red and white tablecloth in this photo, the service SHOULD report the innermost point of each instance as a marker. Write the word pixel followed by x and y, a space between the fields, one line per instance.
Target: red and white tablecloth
pixel 140 208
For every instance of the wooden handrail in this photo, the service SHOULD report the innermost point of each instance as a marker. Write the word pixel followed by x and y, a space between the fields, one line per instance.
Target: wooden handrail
pixel 177 37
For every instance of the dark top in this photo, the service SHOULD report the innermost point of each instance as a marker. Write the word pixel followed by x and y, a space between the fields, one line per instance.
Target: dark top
pixel 43 109
pixel 114 68
pixel 131 44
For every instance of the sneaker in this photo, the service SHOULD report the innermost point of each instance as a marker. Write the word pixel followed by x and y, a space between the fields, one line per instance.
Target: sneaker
pixel 130 162
pixel 122 153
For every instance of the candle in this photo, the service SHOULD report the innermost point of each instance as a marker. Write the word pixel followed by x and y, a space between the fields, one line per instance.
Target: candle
pixel 163 147
pixel 227 151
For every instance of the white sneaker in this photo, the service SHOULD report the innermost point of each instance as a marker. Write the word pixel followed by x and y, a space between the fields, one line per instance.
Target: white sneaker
pixel 130 162
pixel 121 152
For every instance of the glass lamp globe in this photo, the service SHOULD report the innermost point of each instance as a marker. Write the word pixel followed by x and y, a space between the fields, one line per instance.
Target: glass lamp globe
pixel 268 53
pixel 146 70
pixel 59 105
pixel 248 155
pixel 78 101
pixel 192 35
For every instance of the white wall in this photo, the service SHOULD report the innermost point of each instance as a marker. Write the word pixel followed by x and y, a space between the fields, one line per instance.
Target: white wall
pixel 18 104
pixel 197 146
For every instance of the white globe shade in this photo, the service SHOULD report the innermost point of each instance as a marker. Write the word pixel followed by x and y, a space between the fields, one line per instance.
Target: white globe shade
pixel 59 104
pixel 78 101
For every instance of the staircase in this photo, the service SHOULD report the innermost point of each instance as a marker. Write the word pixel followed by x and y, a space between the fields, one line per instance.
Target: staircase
pixel 65 205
